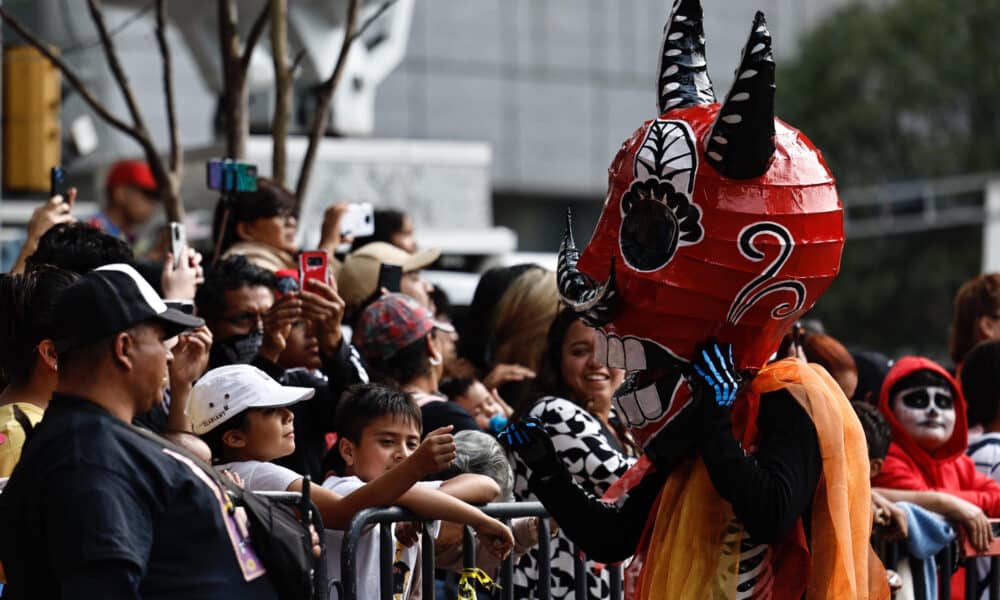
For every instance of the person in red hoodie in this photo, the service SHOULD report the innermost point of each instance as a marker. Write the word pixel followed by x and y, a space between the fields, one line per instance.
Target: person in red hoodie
pixel 926 463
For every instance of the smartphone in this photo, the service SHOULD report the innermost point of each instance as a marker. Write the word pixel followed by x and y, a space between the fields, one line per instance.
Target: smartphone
pixel 227 176
pixel 57 183
pixel 312 265
pixel 390 277
pixel 178 241
pixel 358 220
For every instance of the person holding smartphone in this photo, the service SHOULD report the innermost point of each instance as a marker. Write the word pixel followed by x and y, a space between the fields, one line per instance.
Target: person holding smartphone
pixel 262 225
pixel 55 211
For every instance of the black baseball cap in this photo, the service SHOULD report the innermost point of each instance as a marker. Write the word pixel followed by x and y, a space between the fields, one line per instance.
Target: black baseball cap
pixel 108 300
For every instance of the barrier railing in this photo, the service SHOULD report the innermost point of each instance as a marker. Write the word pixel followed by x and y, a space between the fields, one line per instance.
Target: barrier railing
pixel 892 553
pixel 503 511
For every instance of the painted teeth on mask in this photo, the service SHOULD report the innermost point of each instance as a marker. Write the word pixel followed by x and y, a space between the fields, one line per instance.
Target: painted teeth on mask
pixel 635 355
pixel 616 353
pixel 601 347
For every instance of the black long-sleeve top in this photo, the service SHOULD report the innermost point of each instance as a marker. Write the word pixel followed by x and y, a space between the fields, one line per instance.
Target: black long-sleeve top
pixel 768 490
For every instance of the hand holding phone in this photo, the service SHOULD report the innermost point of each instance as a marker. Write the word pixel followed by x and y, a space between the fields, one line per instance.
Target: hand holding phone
pixel 178 242
pixel 313 264
pixel 358 220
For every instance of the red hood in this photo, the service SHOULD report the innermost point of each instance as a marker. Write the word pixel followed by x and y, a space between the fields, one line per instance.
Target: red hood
pixel 959 438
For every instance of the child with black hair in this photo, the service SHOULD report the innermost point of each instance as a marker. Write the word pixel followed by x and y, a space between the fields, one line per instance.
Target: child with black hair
pixel 378 427
pixel 28 361
pixel 243 416
pixel 980 379
pixel 878 436
pixel 486 406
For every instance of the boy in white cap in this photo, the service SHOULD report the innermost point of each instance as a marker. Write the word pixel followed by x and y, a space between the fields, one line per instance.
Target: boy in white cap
pixel 242 414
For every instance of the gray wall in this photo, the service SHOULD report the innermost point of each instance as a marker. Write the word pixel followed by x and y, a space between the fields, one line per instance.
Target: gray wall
pixel 555 85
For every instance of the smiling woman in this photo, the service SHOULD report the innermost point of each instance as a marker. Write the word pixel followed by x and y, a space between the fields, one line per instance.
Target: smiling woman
pixel 574 405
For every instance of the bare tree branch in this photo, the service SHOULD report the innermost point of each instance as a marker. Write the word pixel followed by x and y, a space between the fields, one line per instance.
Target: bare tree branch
pixel 297 62
pixel 255 32
pixel 234 88
pixel 168 88
pixel 374 17
pixel 108 45
pixel 67 71
pixel 282 88
pixel 323 105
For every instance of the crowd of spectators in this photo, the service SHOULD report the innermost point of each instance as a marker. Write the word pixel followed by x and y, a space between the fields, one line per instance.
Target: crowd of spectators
pixel 369 396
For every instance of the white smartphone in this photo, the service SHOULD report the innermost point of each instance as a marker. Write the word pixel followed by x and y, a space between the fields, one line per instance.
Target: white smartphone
pixel 358 221
pixel 178 241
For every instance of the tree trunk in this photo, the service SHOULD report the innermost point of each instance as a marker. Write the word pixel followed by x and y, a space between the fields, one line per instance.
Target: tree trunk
pixel 234 86
pixel 282 88
pixel 322 114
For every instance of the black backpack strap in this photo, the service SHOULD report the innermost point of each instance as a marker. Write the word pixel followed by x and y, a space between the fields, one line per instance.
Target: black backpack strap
pixel 25 423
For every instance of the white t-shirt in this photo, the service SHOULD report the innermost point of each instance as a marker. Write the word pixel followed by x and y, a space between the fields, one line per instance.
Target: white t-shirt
pixel 404 559
pixel 262 476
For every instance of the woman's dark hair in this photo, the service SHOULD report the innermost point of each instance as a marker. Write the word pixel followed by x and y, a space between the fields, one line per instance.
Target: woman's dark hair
pixel 226 275
pixel 550 379
pixel 220 452
pixel 406 364
pixel 388 222
pixel 27 311
pixel 832 356
pixel 78 247
pixel 980 380
pixel 453 387
pixel 978 297
pixel 270 200
pixel 876 428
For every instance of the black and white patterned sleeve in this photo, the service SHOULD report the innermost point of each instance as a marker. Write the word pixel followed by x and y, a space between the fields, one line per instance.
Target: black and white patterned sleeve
pixel 581 444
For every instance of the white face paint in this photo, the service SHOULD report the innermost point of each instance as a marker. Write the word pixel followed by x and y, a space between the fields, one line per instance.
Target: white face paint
pixel 927 414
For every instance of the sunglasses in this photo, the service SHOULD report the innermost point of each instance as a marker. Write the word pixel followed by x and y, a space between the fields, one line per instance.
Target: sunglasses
pixel 920 399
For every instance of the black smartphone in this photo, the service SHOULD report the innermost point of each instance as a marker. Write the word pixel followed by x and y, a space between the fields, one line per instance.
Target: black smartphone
pixel 390 277
pixel 57 182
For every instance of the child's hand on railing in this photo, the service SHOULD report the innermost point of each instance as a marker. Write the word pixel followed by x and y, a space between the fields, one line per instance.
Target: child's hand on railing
pixel 497 538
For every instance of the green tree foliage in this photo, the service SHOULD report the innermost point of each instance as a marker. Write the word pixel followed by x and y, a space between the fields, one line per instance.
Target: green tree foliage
pixel 904 91
pixel 900 91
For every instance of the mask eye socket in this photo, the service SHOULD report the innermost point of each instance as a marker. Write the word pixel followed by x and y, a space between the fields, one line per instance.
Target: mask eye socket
pixel 649 235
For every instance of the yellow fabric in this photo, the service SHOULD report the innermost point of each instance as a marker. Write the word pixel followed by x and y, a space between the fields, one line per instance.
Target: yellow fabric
pixel 12 435
pixel 693 548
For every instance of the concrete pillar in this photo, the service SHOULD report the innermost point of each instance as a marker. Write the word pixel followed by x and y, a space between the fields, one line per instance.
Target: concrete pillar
pixel 991 227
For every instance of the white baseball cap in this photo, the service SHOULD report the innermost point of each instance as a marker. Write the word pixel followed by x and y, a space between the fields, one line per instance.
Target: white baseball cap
pixel 223 393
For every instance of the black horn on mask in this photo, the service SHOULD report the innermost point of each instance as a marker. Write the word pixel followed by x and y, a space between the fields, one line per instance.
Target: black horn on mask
pixel 596 303
pixel 741 143
pixel 684 79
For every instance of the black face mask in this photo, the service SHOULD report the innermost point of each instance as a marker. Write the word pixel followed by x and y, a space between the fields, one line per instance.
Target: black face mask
pixel 240 349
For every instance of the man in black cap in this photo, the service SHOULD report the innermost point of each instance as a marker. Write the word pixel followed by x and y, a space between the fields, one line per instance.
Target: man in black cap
pixel 96 509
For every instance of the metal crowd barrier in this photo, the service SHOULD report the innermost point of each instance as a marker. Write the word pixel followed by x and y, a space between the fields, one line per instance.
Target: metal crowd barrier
pixel 503 511
pixel 894 552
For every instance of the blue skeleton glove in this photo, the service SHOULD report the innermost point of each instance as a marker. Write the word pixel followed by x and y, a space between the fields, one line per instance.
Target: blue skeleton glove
pixel 714 383
pixel 527 438
pixel 713 375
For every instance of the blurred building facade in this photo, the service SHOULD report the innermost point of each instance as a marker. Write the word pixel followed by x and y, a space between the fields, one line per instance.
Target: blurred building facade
pixel 552 86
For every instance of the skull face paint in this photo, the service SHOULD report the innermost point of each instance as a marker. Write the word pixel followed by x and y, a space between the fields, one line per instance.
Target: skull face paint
pixel 720 220
pixel 927 414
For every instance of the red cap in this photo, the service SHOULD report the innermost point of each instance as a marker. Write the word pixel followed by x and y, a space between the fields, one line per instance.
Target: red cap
pixel 132 172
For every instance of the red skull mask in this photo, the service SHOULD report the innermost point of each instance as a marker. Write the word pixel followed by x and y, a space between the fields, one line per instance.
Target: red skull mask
pixel 720 220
